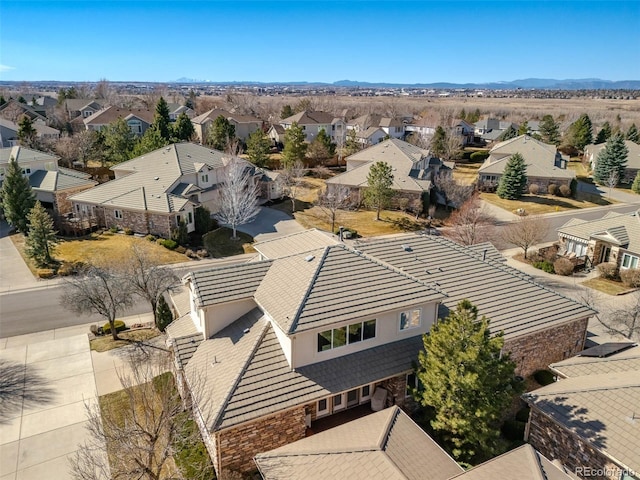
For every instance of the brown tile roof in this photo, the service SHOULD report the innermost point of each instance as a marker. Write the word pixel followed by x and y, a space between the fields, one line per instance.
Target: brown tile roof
pixel 618 228
pixel 310 118
pixel 511 300
pixel 383 445
pixel 110 114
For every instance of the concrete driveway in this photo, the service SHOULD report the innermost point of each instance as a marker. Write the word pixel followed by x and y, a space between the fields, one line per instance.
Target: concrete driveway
pixel 43 416
pixel 605 192
pixel 271 223
pixel 14 273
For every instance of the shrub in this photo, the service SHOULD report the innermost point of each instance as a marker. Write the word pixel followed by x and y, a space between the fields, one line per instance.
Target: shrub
pixel 563 266
pixel 565 190
pixel 160 241
pixel 119 324
pixel 574 187
pixel 150 238
pixel 169 244
pixel 544 377
pixel 523 414
pixel 608 270
pixel 534 189
pixel 128 231
pixel 513 430
pixel 630 277
pixel 181 249
pixel 202 253
pixel 66 269
pixel 479 156
pixel 544 265
pixel 352 232
pixel 45 272
pixel 190 253
pixel 552 189
pixel 113 229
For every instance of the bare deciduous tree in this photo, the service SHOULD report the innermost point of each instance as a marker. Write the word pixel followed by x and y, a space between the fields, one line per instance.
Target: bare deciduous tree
pixel 291 178
pixel 471 222
pixel 525 232
pixel 102 290
pixel 147 277
pixel 331 201
pixel 143 431
pixel 454 193
pixel 238 196
pixel 622 319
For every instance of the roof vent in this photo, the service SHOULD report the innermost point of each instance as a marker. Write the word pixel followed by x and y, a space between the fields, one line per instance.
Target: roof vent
pixel 156 178
pixel 308 258
pixel 246 330
pixel 407 248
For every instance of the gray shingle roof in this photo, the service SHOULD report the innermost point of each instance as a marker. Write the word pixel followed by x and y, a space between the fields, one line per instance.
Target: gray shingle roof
pixel 383 445
pixel 327 286
pixel 619 228
pixel 511 300
pixel 625 361
pixel 57 180
pixel 23 154
pixel 633 158
pixel 600 409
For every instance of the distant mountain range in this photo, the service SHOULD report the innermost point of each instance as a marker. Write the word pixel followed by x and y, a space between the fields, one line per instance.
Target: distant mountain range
pixel 526 83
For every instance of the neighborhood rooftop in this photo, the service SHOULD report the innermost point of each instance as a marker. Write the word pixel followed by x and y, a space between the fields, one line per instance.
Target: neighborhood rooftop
pixel 622 229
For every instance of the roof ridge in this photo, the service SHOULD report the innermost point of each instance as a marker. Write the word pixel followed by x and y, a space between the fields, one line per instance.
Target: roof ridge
pixel 294 323
pixel 383 439
pixel 536 460
pixel 247 360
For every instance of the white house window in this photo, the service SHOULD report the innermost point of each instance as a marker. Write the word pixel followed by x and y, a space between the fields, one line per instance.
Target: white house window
pixel 338 402
pixel 190 217
pixel 365 393
pixel 135 126
pixel 630 261
pixel 322 407
pixel 117 214
pixel 205 178
pixel 26 171
pixel 346 335
pixel 410 319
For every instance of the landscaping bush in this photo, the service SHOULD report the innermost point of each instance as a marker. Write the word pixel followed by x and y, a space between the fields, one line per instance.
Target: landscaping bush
pixel 119 324
pixel 552 189
pixel 45 272
pixel 181 249
pixel 66 269
pixel 534 188
pixel 545 266
pixel 565 190
pixel 160 241
pixel 523 414
pixel 544 377
pixel 114 229
pixel 513 430
pixel 169 244
pixel 150 238
pixel 128 231
pixel 202 253
pixel 608 270
pixel 563 266
pixel 479 156
pixel 354 233
pixel 190 253
pixel 630 277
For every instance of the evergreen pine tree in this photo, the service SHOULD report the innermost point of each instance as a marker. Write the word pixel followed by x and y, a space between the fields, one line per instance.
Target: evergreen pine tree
pixel 508 134
pixel 17 197
pixel 438 145
pixel 550 130
pixel 379 193
pixel 258 148
pixel 294 146
pixel 183 129
pixel 41 240
pixel 612 160
pixel 632 134
pixel 221 133
pixel 286 112
pixel 580 133
pixel 164 316
pixel 467 381
pixel 161 119
pixel 635 187
pixel 514 178
pixel 603 134
pixel 119 141
pixel 150 141
pixel 524 128
pixel 26 132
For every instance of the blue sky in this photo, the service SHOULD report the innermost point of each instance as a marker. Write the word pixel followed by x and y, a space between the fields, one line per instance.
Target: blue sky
pixel 376 41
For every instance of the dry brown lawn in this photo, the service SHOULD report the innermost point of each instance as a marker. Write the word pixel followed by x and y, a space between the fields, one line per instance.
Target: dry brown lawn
pixel 466 173
pixel 604 285
pixel 540 204
pixel 127 337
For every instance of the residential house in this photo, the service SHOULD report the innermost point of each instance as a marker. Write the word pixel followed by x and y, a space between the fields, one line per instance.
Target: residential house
pixel 613 238
pixel 269 348
pixel 44 105
pixel 588 419
pixel 13 110
pixel 151 194
pixel 463 130
pixel 52 184
pixel 423 127
pixel 388 445
pixel 244 125
pixel 486 125
pixel 276 133
pixel 139 120
pixel 545 165
pixel 370 136
pixel 591 153
pixel 175 109
pixel 413 170
pixel 494 134
pixel 392 127
pixel 312 122
pixel 82 107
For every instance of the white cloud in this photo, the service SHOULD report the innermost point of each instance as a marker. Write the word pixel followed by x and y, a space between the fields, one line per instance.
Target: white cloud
pixel 6 68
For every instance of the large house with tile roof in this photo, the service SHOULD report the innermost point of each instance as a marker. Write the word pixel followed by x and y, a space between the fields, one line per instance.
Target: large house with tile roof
pixel 152 193
pixel 589 419
pixel 414 169
pixel 545 165
pixel 52 184
pixel 632 166
pixel 244 125
pixel 613 238
pixel 271 346
pixel 312 122
pixel 388 445
pixel 390 127
pixel 139 120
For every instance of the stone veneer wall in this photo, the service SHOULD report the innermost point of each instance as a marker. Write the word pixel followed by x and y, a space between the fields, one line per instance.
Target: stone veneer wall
pixel 139 222
pixel 61 202
pixel 396 388
pixel 238 445
pixel 538 350
pixel 557 443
